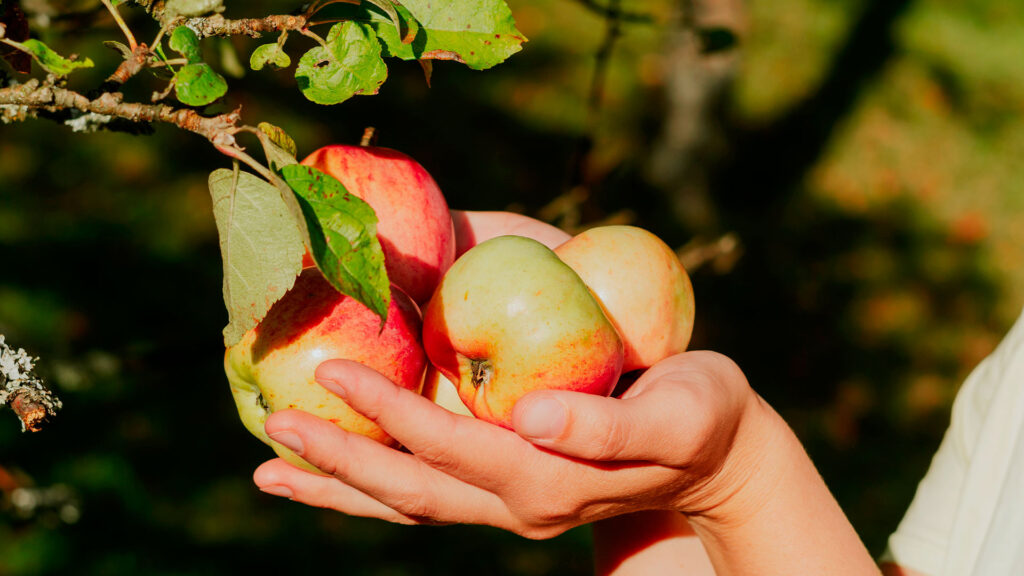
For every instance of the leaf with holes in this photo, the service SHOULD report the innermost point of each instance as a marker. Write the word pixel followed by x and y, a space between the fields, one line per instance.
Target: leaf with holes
pixel 343 237
pixel 478 33
pixel 260 245
pixel 349 65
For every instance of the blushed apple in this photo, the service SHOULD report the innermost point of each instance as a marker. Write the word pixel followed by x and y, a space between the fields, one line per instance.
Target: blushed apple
pixel 641 286
pixel 272 368
pixel 414 228
pixel 508 318
pixel 443 393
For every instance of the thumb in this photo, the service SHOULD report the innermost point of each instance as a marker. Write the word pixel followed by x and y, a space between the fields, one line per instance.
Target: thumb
pixel 676 414
pixel 606 429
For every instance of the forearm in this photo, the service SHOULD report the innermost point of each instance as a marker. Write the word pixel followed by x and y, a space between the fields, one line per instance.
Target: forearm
pixel 778 516
pixel 648 542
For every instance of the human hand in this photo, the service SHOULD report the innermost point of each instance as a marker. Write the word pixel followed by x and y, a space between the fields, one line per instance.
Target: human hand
pixel 685 437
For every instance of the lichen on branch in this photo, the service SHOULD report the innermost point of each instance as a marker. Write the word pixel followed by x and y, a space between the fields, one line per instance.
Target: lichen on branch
pixel 23 391
pixel 33 97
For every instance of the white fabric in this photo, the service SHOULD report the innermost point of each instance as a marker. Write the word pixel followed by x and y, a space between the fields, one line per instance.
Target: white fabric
pixel 967 517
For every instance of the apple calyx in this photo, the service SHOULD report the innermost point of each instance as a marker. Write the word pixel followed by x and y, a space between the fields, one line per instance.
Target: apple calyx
pixel 482 371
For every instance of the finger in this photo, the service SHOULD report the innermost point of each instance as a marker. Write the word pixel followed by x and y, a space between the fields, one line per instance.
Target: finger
pixel 398 480
pixel 472 450
pixel 279 478
pixel 673 413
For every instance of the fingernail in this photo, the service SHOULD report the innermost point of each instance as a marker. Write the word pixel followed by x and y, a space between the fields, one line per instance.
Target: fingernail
pixel 334 387
pixel 542 418
pixel 289 439
pixel 278 490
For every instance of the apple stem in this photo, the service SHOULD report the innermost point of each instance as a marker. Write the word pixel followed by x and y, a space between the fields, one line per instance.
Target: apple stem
pixel 482 372
pixel 369 137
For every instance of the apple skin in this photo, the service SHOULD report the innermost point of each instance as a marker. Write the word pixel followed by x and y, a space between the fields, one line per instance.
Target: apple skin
pixel 273 366
pixel 442 392
pixel 509 318
pixel 642 287
pixel 415 228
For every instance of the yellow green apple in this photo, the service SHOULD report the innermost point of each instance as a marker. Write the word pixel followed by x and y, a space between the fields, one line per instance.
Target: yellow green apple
pixel 642 287
pixel 443 393
pixel 508 318
pixel 273 366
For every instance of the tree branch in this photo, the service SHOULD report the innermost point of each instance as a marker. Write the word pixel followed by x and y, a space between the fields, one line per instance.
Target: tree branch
pixel 29 99
pixel 218 25
pixel 23 390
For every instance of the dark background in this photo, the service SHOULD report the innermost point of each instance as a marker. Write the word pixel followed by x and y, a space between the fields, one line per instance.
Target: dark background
pixel 844 186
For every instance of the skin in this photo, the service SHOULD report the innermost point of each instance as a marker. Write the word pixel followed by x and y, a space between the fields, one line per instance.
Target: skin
pixel 273 366
pixel 689 437
pixel 641 286
pixel 509 317
pixel 415 227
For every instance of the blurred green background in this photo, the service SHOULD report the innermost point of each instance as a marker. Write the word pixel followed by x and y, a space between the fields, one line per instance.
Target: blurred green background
pixel 844 184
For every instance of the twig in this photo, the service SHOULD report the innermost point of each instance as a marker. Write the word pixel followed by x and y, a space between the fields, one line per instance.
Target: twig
pixel 27 100
pixel 120 22
pixel 132 65
pixel 218 25
pixel 20 388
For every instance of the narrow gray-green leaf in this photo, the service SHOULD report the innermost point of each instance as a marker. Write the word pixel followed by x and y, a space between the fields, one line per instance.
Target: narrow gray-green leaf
pixel 271 54
pixel 348 66
pixel 343 234
pixel 478 33
pixel 260 245
pixel 50 60
pixel 185 42
pixel 198 85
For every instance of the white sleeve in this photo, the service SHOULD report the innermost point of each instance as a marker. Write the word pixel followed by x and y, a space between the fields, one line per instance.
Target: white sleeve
pixel 922 539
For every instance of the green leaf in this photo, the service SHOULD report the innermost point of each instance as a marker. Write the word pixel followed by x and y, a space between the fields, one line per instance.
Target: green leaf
pixel 185 42
pixel 198 85
pixel 348 66
pixel 278 146
pixel 478 33
pixel 271 54
pixel 278 136
pixel 260 245
pixel 343 235
pixel 50 60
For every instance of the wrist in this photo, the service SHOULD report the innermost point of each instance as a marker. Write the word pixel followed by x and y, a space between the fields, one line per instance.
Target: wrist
pixel 749 474
pixel 768 511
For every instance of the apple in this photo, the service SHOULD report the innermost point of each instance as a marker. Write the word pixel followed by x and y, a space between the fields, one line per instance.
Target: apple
pixel 442 392
pixel 508 318
pixel 272 368
pixel 641 286
pixel 414 228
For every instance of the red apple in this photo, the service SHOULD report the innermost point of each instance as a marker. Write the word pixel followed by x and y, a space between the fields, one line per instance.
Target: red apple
pixel 641 286
pixel 272 368
pixel 508 318
pixel 415 228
